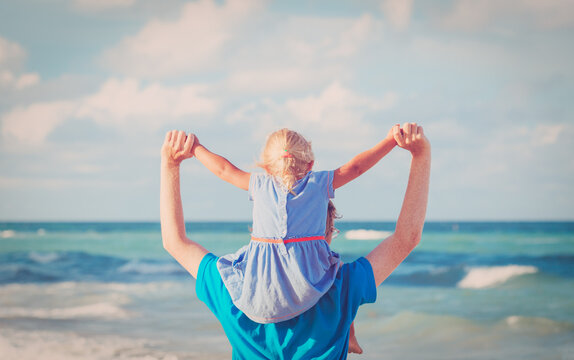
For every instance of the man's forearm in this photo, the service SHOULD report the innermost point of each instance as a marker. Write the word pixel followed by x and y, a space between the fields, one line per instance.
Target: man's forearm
pixel 171 210
pixel 393 250
pixel 412 216
pixel 188 253
pixel 386 256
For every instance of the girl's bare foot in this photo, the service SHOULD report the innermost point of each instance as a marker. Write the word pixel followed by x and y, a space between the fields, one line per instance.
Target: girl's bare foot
pixel 354 346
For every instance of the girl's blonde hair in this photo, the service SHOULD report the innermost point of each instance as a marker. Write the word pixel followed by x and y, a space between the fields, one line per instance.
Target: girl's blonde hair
pixel 286 155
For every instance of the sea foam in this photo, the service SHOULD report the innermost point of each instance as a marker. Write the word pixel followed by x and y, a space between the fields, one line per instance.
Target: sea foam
pixel 54 345
pixel 362 234
pixel 7 234
pixel 98 310
pixel 139 267
pixel 43 258
pixel 483 277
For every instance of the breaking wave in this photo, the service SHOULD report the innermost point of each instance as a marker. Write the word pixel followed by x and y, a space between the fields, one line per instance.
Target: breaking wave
pixel 483 277
pixel 363 234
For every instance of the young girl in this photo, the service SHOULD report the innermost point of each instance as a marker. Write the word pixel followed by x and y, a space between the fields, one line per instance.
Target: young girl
pixel 288 265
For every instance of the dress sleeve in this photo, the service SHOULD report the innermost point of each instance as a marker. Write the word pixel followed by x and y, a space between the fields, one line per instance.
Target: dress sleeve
pixel 254 184
pixel 327 183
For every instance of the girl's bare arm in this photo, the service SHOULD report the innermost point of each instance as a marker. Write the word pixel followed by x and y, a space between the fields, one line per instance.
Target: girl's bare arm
pixel 221 167
pixel 364 161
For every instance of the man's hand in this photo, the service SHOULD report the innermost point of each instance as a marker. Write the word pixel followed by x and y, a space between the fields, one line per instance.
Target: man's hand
pixel 177 147
pixel 412 138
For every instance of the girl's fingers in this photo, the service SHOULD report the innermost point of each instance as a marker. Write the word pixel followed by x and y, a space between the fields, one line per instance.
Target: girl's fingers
pixel 188 143
pixel 398 134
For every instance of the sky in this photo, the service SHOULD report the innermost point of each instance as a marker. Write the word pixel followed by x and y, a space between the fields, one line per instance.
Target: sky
pixel 88 89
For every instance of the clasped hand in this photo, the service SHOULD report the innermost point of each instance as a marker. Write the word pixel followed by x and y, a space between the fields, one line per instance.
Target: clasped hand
pixel 177 147
pixel 411 137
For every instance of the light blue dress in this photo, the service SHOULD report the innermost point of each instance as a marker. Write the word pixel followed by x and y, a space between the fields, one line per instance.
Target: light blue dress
pixel 287 266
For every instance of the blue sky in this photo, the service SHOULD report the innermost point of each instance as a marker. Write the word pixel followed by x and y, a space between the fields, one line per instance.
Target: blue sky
pixel 88 89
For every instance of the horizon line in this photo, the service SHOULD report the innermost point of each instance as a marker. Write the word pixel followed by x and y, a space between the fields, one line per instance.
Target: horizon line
pixel 142 221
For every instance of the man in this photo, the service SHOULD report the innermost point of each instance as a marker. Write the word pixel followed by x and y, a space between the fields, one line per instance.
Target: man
pixel 322 332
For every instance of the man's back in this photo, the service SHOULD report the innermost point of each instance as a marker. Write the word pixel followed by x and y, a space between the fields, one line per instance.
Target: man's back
pixel 320 333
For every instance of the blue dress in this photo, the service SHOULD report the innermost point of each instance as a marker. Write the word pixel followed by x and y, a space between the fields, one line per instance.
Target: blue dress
pixel 287 266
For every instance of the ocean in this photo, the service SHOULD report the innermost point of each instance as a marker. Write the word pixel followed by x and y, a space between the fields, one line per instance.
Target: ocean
pixel 470 290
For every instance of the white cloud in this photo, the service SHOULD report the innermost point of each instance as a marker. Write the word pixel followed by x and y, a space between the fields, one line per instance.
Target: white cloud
pixel 276 79
pixel 335 117
pixel 336 106
pixel 398 13
pixel 447 130
pixel 12 55
pixel 351 38
pixel 293 53
pixel 31 124
pixel 12 59
pixel 101 5
pixel 124 105
pixel 547 134
pixel 508 158
pixel 314 40
pixel 312 53
pixel 192 43
pixel 26 80
pixel 476 15
pixel 461 54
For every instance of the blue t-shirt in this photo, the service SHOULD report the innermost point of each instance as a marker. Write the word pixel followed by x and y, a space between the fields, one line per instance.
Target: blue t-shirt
pixel 321 332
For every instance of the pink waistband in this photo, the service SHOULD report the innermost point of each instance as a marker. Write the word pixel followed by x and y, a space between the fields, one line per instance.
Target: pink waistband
pixel 287 241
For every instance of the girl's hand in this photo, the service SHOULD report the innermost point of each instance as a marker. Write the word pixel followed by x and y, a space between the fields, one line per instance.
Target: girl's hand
pixel 391 133
pixel 412 138
pixel 177 147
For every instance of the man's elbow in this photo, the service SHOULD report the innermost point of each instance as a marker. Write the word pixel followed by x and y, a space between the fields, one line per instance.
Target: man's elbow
pixel 169 245
pixel 409 239
pixel 166 244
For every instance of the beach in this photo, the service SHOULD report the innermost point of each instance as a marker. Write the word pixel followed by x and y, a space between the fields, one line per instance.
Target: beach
pixel 472 290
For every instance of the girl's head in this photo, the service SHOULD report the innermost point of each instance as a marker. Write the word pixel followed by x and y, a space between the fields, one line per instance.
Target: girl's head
pixel 287 155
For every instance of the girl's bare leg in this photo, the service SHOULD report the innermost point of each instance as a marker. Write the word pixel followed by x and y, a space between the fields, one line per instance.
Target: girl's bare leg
pixel 354 346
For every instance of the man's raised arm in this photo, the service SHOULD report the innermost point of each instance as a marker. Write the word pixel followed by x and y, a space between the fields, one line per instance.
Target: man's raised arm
pixel 176 148
pixel 394 249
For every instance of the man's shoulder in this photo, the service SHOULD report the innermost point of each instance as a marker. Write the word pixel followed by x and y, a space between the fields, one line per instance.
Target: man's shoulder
pixel 358 267
pixel 358 277
pixel 207 277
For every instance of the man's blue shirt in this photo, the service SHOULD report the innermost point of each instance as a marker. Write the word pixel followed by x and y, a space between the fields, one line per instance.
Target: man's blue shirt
pixel 321 332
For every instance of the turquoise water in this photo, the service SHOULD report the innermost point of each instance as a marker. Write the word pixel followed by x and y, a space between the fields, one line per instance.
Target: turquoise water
pixel 109 291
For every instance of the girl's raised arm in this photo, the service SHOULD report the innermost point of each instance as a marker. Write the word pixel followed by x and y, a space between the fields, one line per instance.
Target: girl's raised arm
pixel 364 161
pixel 221 167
